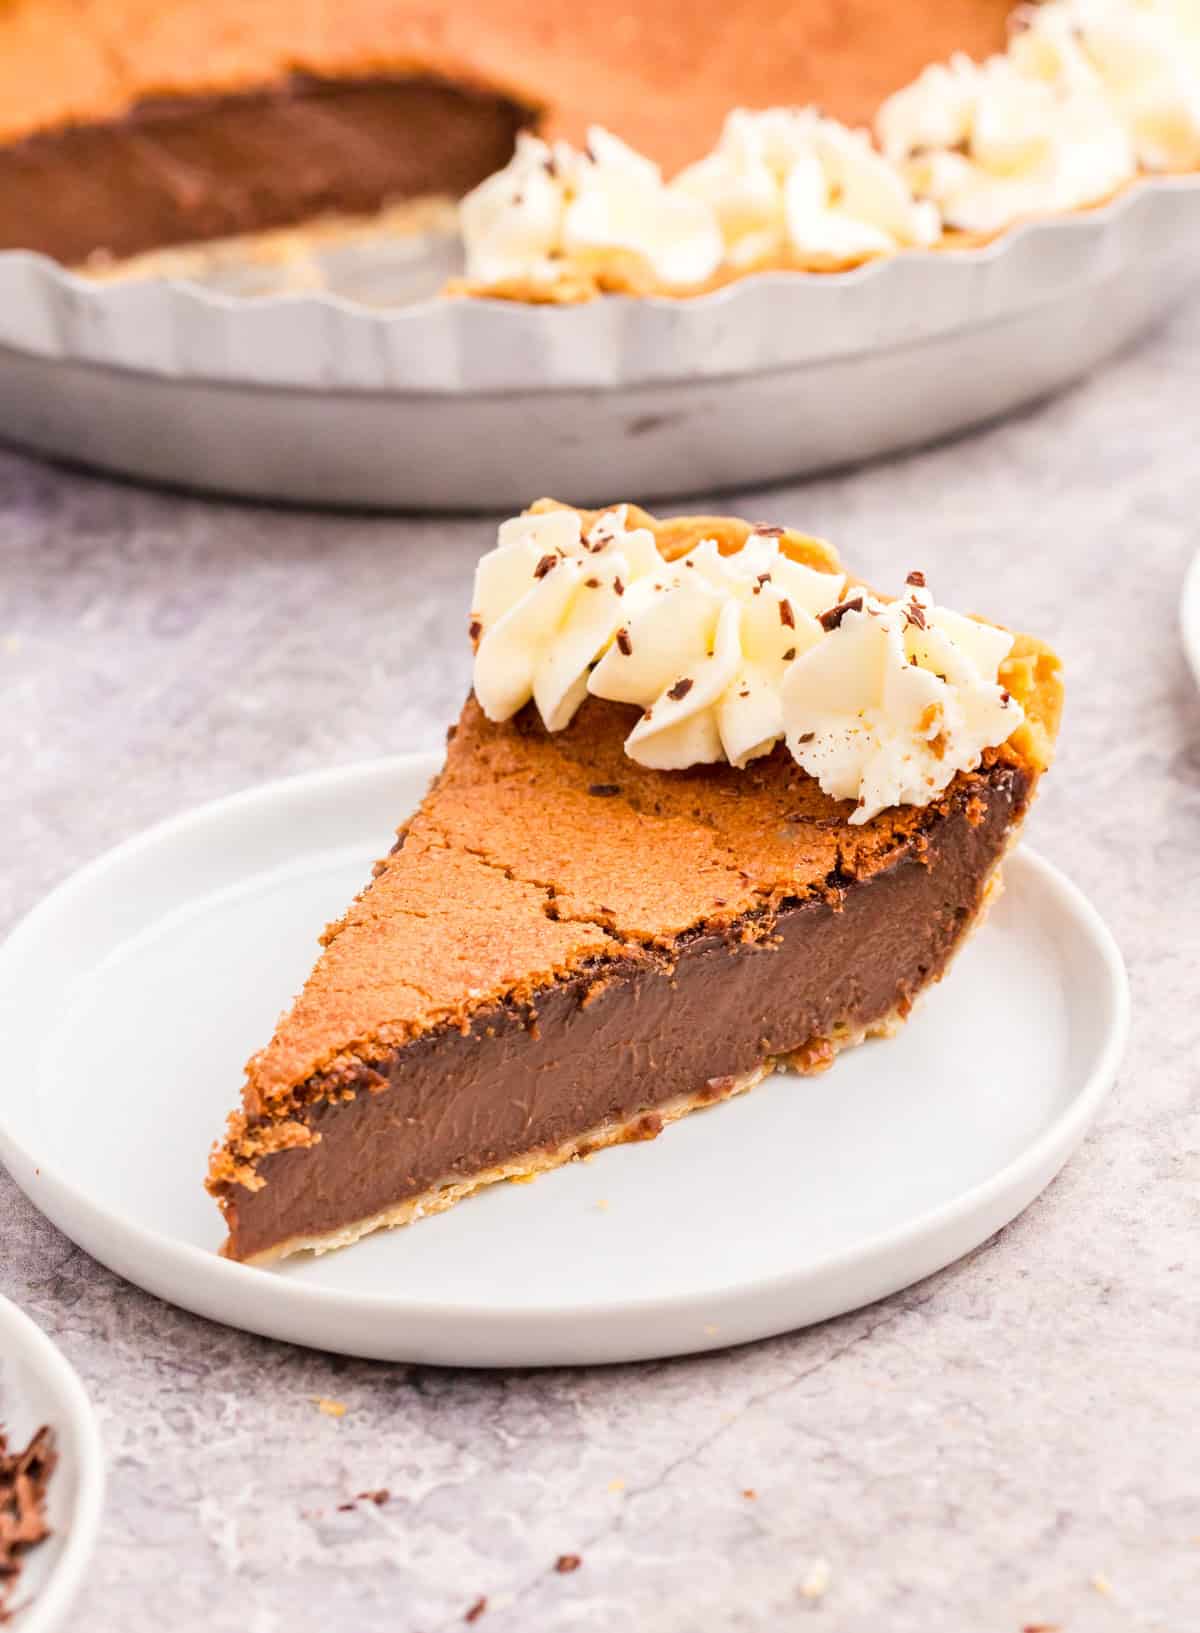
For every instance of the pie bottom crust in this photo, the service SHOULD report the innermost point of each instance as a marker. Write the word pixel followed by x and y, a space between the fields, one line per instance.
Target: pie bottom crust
pixel 814 1057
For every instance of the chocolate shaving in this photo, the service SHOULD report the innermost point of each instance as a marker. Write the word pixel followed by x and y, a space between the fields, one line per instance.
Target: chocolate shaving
pixel 789 654
pixel 680 689
pixel 765 531
pixel 917 580
pixel 786 615
pixel 604 790
pixel 914 614
pixel 565 1563
pixel 618 586
pixel 544 566
pixel 24 1477
pixel 591 583
pixel 806 736
pixel 832 618
pixel 476 1610
pixel 475 629
pixel 624 644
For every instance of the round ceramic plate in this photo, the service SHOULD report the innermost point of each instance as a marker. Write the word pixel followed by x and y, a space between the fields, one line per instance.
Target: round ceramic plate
pixel 38 1386
pixel 131 997
pixel 1189 616
pixel 341 397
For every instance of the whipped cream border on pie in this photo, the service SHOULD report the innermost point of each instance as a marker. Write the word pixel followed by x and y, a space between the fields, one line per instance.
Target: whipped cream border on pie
pixel 1087 96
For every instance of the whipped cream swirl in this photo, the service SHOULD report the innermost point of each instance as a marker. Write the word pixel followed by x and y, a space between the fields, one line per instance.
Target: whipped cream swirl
pixel 555 204
pixel 991 144
pixel 786 180
pixel 725 655
pixel 1142 56
pixel 897 699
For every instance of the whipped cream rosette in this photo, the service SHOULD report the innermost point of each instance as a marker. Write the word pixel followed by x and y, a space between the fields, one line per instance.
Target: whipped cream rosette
pixel 883 703
pixel 787 182
pixel 896 700
pixel 991 144
pixel 1142 56
pixel 551 204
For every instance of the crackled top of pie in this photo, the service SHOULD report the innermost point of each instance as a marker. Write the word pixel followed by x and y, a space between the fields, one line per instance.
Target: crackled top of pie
pixel 666 88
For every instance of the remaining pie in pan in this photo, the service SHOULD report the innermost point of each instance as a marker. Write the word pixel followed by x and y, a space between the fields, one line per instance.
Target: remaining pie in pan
pixel 711 808
pixel 130 125
pixel 1088 95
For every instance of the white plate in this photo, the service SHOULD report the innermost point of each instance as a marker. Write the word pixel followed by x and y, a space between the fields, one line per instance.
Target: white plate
pixel 131 997
pixel 38 1386
pixel 1189 616
pixel 462 404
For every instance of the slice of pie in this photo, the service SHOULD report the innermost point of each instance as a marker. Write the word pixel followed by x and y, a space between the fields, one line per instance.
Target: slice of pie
pixel 711 808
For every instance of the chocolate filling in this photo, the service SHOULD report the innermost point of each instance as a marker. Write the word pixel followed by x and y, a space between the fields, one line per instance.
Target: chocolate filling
pixel 624 1036
pixel 183 170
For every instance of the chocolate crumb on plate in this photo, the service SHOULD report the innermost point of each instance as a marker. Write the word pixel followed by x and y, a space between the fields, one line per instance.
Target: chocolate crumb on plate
pixel 566 1563
pixel 477 1609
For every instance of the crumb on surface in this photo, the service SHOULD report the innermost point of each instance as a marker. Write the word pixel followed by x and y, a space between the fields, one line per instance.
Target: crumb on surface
pixel 477 1609
pixel 816 1580
pixel 566 1563
pixel 331 1409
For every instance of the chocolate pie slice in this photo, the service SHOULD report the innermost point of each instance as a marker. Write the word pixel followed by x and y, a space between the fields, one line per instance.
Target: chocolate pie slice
pixel 711 809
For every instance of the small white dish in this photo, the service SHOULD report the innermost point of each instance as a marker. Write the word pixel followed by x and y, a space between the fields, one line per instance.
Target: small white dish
pixel 1189 616
pixel 130 998
pixel 37 1385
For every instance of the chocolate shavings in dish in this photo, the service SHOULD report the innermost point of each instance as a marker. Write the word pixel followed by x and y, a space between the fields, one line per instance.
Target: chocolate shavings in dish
pixel 24 1477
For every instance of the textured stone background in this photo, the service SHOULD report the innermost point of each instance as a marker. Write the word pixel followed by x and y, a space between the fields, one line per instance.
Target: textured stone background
pixel 1012 1442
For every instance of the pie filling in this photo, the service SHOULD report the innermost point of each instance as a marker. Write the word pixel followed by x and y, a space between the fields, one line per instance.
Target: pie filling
pixel 614 1040
pixel 188 169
